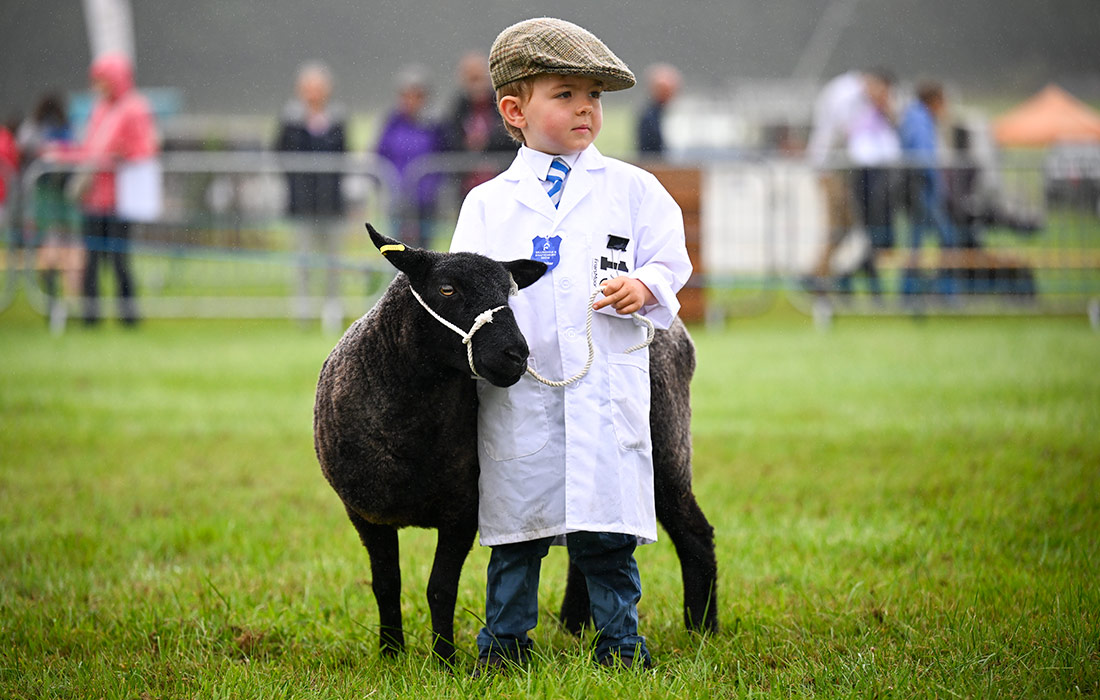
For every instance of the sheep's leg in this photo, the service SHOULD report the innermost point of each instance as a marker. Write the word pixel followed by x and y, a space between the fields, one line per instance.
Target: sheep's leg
pixel 385 567
pixel 576 607
pixel 452 547
pixel 693 537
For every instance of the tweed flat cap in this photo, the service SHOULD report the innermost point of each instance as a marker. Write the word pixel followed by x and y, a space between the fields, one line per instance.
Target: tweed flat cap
pixel 548 45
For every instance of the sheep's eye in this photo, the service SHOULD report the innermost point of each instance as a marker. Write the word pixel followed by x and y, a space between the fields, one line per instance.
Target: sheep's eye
pixel 446 290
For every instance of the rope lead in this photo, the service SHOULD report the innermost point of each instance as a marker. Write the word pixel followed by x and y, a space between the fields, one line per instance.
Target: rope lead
pixel 487 317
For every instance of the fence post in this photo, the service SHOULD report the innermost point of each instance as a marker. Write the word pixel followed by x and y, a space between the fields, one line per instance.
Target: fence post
pixel 686 185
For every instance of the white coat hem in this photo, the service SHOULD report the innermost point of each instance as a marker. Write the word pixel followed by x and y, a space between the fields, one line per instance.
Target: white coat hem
pixel 490 541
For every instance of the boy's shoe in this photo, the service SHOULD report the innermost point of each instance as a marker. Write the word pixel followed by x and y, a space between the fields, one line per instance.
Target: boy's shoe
pixel 625 662
pixel 491 665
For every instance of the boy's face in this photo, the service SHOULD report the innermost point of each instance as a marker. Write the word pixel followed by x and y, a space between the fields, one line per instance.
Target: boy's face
pixel 562 115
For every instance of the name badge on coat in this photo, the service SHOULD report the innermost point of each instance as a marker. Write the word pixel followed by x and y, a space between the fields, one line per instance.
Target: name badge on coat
pixel 547 250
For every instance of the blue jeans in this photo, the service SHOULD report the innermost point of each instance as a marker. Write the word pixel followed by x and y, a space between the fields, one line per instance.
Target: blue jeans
pixel 929 212
pixel 107 239
pixel 614 587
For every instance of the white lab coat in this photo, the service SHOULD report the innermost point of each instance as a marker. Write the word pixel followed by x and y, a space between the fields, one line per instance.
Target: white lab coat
pixel 554 460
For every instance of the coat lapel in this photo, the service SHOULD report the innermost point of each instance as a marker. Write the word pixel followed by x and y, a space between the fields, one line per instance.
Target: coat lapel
pixel 530 192
pixel 528 189
pixel 579 184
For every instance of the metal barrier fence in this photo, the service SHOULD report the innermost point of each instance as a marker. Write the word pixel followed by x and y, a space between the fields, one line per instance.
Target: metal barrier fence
pixel 1005 237
pixel 986 240
pixel 223 246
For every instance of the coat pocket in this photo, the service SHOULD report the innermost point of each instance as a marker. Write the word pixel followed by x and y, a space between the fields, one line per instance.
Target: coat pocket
pixel 511 422
pixel 629 378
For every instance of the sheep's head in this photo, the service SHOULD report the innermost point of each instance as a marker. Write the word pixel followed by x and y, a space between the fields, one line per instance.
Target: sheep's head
pixel 460 287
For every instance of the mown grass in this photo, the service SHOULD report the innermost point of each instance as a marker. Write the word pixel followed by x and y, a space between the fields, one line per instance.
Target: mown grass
pixel 902 509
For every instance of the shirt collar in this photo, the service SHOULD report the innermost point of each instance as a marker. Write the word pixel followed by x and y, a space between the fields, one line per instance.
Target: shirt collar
pixel 539 162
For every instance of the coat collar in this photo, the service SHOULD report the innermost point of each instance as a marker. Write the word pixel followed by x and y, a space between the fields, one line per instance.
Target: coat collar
pixel 530 193
pixel 540 162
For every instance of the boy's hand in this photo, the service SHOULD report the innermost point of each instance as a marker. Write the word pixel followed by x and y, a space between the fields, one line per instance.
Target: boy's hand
pixel 625 294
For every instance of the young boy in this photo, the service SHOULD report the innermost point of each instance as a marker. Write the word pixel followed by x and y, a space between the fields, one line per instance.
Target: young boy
pixel 570 466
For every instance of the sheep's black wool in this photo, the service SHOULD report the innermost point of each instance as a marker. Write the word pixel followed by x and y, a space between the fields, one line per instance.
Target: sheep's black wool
pixel 395 430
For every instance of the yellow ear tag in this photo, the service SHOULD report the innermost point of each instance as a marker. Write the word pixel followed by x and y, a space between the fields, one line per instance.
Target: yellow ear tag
pixel 389 248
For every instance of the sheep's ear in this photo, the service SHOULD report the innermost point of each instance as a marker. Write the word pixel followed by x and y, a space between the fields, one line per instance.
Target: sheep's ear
pixel 411 261
pixel 525 272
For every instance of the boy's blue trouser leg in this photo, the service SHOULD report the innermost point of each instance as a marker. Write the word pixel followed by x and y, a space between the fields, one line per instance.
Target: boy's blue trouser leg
pixel 511 599
pixel 614 587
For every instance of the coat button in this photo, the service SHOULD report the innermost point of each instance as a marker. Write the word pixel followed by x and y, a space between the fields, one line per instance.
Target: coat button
pixel 565 283
pixel 571 333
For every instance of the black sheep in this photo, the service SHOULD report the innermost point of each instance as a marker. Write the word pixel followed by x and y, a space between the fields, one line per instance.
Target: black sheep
pixel 395 430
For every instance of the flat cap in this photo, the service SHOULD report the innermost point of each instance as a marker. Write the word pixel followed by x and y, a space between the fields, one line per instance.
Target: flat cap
pixel 548 45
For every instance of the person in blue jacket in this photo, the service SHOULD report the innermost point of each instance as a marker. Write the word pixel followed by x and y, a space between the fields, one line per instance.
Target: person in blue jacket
pixel 927 192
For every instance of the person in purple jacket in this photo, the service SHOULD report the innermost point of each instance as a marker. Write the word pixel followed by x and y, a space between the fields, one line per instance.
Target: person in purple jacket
pixel 406 136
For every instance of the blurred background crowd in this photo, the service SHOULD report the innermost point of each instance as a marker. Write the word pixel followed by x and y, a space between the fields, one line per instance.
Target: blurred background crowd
pixel 809 144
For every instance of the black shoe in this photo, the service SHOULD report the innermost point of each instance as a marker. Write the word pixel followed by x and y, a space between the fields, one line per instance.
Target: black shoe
pixel 490 666
pixel 814 285
pixel 616 661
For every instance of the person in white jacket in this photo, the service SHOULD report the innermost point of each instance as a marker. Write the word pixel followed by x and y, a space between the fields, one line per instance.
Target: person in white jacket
pixel 852 126
pixel 570 465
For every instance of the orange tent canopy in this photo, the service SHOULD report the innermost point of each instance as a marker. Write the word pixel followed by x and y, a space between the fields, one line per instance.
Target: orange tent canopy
pixel 1051 116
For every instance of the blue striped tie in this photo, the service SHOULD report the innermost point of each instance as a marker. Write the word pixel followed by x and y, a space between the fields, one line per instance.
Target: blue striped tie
pixel 556 177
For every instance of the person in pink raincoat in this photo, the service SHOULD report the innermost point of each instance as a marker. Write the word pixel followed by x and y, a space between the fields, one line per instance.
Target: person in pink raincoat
pixel 120 130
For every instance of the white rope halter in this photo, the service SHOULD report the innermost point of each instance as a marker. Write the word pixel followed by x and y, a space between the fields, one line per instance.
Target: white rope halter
pixel 487 317
pixel 467 338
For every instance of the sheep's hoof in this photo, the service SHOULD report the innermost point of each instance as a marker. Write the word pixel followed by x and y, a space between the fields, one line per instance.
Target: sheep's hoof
pixel 445 653
pixel 573 622
pixel 391 643
pixel 705 622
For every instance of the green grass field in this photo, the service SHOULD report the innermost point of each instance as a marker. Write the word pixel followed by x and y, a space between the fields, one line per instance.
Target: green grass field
pixel 902 509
